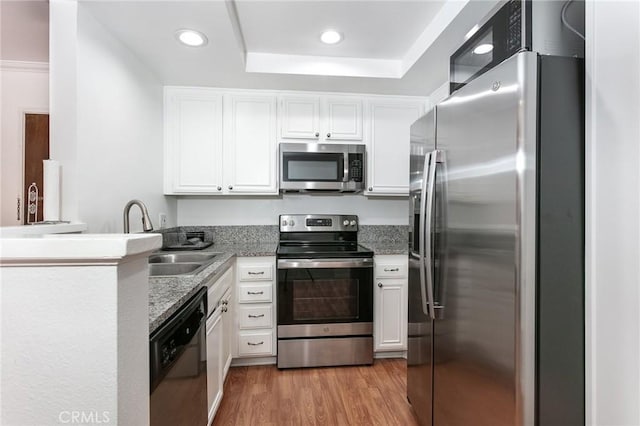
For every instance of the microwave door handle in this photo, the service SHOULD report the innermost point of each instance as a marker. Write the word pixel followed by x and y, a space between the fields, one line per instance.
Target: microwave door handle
pixel 421 237
pixel 345 171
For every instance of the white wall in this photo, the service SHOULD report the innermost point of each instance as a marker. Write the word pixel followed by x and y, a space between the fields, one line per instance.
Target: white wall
pixel 439 94
pixel 25 89
pixel 81 349
pixel 613 213
pixel 265 211
pixel 117 152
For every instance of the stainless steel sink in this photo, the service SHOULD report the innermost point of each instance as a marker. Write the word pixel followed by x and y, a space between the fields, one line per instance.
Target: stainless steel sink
pixel 181 257
pixel 169 269
pixel 184 263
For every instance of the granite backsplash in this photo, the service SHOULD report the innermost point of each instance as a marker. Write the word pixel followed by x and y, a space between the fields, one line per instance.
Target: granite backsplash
pixel 383 233
pixel 269 233
pixel 222 234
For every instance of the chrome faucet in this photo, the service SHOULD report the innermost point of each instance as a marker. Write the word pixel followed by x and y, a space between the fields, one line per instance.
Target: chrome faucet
pixel 147 226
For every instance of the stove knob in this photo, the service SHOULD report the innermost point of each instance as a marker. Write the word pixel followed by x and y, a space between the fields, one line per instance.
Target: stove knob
pixel 291 222
pixel 284 223
pixel 346 222
pixel 352 223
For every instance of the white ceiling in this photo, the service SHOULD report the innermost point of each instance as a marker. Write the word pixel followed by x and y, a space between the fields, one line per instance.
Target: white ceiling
pixel 371 29
pixel 390 47
pixel 24 30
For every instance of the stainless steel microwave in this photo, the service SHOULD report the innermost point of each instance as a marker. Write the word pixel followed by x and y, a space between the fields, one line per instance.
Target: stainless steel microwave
pixel 322 167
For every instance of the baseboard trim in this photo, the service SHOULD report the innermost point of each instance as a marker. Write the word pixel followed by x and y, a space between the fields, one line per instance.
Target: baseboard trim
pixel 245 362
pixel 390 354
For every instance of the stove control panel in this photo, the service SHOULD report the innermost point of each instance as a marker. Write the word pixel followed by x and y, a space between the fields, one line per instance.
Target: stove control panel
pixel 318 223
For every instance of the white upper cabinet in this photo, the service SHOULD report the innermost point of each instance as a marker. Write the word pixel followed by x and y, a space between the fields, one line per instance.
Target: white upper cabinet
pixel 250 145
pixel 300 117
pixel 321 118
pixel 193 141
pixel 206 154
pixel 342 119
pixel 225 141
pixel 388 153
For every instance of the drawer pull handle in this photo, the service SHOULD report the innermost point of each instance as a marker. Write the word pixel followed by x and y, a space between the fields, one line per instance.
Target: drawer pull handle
pixel 391 269
pixel 255 292
pixel 256 273
pixel 256 316
pixel 255 344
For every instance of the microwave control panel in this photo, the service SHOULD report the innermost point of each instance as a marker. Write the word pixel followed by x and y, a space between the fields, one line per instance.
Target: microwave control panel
pixel 356 167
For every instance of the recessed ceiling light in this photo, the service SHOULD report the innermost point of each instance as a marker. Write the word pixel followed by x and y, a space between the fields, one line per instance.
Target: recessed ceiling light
pixel 481 49
pixel 330 37
pixel 191 38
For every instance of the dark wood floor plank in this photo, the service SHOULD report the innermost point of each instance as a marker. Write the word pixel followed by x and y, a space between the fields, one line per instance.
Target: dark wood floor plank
pixel 363 395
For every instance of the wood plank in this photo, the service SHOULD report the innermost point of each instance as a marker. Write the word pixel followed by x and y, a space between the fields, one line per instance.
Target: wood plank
pixel 362 395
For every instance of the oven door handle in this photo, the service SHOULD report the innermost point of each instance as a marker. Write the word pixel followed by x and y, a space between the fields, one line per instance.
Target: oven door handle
pixel 324 263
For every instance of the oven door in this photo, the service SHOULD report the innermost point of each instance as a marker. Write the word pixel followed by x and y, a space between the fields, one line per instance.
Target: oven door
pixel 324 291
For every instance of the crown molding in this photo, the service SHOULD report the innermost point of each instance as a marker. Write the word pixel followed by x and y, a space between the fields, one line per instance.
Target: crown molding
pixel 24 66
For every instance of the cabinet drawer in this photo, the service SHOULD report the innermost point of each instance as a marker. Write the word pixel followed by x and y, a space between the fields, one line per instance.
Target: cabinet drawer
pixel 254 316
pixel 218 288
pixel 391 270
pixel 255 343
pixel 252 293
pixel 255 272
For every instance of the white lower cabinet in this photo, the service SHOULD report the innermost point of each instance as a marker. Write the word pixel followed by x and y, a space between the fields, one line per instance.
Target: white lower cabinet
pixel 215 376
pixel 227 325
pixel 220 337
pixel 255 307
pixel 390 303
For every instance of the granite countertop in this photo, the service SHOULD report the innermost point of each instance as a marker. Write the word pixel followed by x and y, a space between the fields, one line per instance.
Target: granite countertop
pixel 386 247
pixel 167 294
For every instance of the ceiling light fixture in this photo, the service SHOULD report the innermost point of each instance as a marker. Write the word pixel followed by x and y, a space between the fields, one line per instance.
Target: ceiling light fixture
pixel 481 49
pixel 330 37
pixel 191 38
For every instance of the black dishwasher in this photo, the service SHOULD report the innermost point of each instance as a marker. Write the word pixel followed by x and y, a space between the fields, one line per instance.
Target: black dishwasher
pixel 178 363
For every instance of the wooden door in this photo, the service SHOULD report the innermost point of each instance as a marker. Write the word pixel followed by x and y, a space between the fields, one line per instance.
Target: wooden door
pixel 36 149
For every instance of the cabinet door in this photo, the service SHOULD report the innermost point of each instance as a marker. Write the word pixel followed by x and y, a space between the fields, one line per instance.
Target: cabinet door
pixel 299 117
pixel 250 145
pixel 342 119
pixel 193 141
pixel 390 322
pixel 388 157
pixel 228 326
pixel 215 381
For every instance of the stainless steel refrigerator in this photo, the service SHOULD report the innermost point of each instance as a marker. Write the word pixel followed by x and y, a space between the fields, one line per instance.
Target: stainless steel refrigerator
pixel 496 259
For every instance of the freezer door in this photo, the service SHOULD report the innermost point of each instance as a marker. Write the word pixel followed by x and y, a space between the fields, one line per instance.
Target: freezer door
pixel 420 326
pixel 481 130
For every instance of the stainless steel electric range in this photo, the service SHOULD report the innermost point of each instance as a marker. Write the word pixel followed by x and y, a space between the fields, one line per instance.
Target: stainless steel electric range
pixel 324 292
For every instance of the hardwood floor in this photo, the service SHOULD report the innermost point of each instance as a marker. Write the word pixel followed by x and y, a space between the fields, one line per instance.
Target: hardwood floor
pixel 367 395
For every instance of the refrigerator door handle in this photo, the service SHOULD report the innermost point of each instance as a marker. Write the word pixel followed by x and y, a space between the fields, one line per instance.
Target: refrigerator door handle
pixel 428 231
pixel 441 194
pixel 421 240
